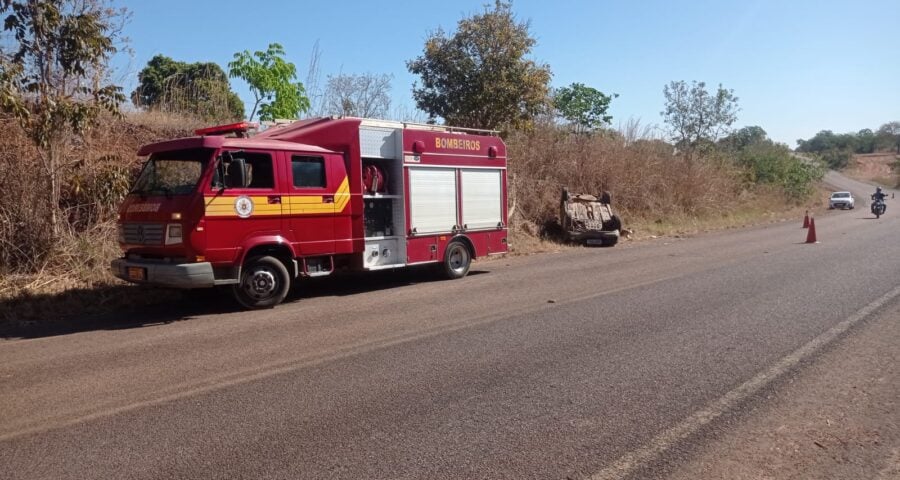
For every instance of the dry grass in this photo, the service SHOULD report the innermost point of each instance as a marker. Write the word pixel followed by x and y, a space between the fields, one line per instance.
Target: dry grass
pixel 642 173
pixel 34 267
pixel 525 243
pixel 73 280
pixel 754 209
pixel 158 121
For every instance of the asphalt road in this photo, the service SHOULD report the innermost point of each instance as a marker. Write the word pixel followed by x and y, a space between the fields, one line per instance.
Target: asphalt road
pixel 548 366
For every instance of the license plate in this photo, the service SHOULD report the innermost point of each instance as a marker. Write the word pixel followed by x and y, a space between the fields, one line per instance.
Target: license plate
pixel 594 241
pixel 137 273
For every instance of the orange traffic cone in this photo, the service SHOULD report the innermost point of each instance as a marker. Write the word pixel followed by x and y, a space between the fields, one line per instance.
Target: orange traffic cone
pixel 806 220
pixel 811 233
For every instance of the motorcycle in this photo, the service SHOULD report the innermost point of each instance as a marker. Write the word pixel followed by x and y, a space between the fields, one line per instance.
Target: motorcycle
pixel 878 207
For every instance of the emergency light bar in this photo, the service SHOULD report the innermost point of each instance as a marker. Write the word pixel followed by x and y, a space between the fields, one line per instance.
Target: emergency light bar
pixel 238 128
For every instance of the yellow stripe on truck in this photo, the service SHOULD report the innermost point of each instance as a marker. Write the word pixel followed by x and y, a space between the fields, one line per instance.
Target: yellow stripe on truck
pixel 290 204
pixel 342 196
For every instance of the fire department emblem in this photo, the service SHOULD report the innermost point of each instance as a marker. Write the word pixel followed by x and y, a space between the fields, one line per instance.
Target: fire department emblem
pixel 243 206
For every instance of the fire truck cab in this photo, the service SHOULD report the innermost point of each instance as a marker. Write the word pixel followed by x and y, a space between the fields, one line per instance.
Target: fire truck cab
pixel 309 198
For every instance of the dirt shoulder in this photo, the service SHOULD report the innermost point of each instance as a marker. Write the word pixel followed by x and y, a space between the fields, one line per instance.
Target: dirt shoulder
pixel 877 168
pixel 837 418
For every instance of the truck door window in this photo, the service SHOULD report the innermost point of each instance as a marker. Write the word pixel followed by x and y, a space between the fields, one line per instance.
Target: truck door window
pixel 308 172
pixel 260 173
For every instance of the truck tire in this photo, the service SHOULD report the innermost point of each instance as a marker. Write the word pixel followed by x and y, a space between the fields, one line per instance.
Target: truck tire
pixel 264 283
pixel 457 260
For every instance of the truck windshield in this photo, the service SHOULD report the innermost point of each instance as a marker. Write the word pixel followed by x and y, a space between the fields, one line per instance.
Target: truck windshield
pixel 172 173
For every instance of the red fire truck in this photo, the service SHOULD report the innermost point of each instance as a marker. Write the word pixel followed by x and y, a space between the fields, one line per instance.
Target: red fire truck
pixel 309 198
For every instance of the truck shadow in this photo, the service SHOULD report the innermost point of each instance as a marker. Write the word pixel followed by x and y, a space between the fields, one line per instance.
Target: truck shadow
pixel 344 284
pixel 126 307
pixel 103 308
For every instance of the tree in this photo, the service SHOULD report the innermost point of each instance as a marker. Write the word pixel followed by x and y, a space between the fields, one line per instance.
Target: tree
pixel 154 78
pixel 828 140
pixel 889 136
pixel 835 150
pixel 823 140
pixel 865 141
pixel 272 82
pixel 199 88
pixel 745 137
pixel 55 80
pixel 835 158
pixel 697 117
pixel 366 95
pixel 583 106
pixel 479 77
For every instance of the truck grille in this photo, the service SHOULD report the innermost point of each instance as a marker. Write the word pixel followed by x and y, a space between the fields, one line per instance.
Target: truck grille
pixel 143 233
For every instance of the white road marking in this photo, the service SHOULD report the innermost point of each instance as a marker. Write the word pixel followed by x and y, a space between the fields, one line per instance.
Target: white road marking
pixel 631 461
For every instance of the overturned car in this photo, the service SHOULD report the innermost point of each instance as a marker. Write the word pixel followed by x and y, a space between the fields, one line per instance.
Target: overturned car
pixel 589 219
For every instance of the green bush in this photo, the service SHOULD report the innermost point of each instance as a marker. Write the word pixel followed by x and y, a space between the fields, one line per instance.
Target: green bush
pixel 836 159
pixel 770 163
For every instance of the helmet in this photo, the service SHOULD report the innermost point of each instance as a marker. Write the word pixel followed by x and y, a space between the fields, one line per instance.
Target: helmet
pixel 877 189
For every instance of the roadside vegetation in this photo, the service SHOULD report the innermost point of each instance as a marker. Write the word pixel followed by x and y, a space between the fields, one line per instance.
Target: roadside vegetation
pixel 837 150
pixel 69 152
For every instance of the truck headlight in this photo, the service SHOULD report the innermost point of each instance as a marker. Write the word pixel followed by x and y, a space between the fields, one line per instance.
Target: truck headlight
pixel 173 234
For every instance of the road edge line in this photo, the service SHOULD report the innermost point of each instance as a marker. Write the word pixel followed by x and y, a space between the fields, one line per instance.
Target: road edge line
pixel 628 463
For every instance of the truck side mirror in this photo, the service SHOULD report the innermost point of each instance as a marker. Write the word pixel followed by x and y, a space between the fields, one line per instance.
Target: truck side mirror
pixel 237 174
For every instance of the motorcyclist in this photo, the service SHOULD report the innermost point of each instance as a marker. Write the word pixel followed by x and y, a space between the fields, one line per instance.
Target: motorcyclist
pixel 879 196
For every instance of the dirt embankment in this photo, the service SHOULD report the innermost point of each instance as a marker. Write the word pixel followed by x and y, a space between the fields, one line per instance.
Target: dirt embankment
pixel 879 168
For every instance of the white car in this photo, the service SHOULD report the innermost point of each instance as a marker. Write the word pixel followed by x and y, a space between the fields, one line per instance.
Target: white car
pixel 842 200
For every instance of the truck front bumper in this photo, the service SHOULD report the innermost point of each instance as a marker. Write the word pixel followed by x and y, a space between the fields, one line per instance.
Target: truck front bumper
pixel 184 275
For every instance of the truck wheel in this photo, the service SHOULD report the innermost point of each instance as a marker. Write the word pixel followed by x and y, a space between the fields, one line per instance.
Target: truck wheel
pixel 264 283
pixel 457 261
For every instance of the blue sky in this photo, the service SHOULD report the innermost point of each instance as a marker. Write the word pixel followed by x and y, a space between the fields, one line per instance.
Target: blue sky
pixel 798 66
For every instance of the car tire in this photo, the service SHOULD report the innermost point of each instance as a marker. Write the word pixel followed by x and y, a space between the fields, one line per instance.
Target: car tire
pixel 614 223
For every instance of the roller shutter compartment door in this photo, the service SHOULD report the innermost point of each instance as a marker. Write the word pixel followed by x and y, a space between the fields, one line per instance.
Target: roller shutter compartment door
pixel 432 200
pixel 482 201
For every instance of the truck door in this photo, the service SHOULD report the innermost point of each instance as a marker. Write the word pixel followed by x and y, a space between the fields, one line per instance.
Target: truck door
pixel 343 215
pixel 240 211
pixel 310 204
